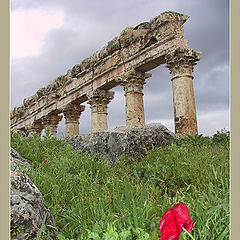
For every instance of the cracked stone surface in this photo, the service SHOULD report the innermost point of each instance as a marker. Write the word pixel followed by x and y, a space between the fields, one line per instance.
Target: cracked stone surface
pixel 27 204
pixel 129 141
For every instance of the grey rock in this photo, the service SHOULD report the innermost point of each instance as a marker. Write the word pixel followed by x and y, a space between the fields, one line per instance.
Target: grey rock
pixel 27 204
pixel 129 141
pixel 17 162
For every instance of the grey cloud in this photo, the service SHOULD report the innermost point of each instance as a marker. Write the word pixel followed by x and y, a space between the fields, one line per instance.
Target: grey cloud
pixel 208 29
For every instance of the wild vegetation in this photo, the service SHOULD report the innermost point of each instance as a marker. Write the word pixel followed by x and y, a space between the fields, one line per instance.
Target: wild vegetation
pixel 90 200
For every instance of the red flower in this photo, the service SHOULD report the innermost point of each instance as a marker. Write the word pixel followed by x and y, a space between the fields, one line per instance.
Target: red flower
pixel 173 220
pixel 45 161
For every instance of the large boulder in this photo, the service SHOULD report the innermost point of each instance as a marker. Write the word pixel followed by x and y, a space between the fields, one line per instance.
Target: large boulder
pixel 129 141
pixel 27 204
pixel 17 162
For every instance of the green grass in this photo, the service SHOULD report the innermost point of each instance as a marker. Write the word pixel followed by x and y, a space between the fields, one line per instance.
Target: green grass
pixel 89 200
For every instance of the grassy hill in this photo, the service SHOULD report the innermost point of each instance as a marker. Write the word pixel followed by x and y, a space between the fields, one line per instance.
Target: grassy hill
pixel 90 200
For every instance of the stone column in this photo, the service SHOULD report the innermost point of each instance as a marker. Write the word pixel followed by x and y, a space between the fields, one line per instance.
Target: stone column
pixel 98 100
pixel 51 121
pixel 36 127
pixel 180 63
pixel 132 83
pixel 72 113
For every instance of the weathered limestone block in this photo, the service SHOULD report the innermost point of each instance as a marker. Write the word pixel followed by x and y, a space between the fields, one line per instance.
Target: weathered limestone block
pixel 157 22
pixel 144 35
pixel 85 76
pixel 27 204
pixel 69 78
pixel 98 100
pixel 72 113
pixel 168 16
pixel 75 70
pixel 174 16
pixel 20 112
pixel 143 25
pixel 139 42
pixel 181 62
pixel 167 24
pixel 86 64
pixel 95 57
pixel 140 34
pixel 30 101
pixel 165 31
pixel 107 63
pixel 103 53
pixel 132 40
pixel 132 83
pixel 113 45
pixel 41 92
pixel 61 81
pixel 126 37
pixel 50 88
pixel 133 49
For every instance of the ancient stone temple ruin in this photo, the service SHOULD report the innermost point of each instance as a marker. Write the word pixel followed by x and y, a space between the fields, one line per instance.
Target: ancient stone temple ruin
pixel 124 61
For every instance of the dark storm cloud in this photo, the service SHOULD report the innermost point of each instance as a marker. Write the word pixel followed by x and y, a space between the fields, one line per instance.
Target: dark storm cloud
pixel 208 29
pixel 89 25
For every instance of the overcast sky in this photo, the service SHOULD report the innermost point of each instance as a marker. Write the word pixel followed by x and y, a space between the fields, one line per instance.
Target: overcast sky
pixel 50 37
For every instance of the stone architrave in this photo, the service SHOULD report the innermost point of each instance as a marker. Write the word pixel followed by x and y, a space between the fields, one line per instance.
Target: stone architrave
pixel 180 63
pixel 132 83
pixel 72 113
pixel 51 122
pixel 98 100
pixel 36 127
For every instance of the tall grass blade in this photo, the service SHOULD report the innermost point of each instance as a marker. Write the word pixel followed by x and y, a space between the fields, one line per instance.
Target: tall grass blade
pixel 41 229
pixel 223 234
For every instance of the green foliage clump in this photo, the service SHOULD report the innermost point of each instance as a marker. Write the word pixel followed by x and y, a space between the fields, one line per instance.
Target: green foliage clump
pixel 90 200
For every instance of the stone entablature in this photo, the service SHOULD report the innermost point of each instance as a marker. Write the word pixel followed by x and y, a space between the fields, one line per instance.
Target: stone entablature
pixel 136 51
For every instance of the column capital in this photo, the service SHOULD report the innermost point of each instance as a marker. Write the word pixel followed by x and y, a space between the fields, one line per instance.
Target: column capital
pixel 51 119
pixel 72 112
pixel 133 81
pixel 98 99
pixel 181 61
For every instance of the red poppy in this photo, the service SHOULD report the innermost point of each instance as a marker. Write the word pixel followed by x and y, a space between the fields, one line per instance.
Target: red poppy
pixel 45 161
pixel 173 220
